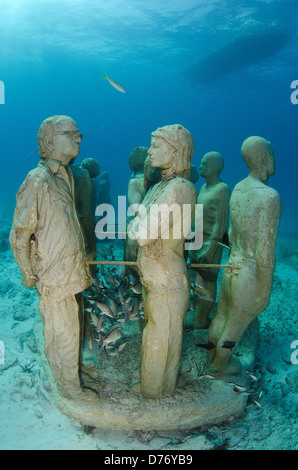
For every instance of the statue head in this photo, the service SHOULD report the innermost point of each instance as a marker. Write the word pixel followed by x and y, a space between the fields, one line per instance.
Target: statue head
pixel 211 166
pixel 175 149
pixel 58 138
pixel 137 158
pixel 92 166
pixel 258 155
pixel 105 176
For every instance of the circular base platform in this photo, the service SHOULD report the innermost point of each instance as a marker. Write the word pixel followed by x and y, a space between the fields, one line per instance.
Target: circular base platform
pixel 198 400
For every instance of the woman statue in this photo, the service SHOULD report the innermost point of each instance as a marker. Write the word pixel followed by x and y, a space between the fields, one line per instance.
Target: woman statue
pixel 163 223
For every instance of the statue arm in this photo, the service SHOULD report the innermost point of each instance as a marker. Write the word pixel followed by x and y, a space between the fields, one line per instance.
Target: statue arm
pixel 221 217
pixel 267 230
pixel 218 209
pixel 135 192
pixel 23 230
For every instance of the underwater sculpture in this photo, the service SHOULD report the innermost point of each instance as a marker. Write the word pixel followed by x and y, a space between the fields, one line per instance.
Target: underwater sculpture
pixel 215 197
pixel 143 178
pixel 255 211
pixel 93 168
pixel 103 189
pixel 163 272
pixel 136 190
pixel 83 201
pixel 48 245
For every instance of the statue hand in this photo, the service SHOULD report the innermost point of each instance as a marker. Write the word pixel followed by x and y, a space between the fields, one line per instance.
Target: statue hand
pixel 29 281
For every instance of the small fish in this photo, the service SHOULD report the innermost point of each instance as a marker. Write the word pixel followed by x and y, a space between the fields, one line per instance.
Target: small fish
pixel 257 403
pixel 127 313
pixel 203 294
pixel 101 285
pixel 239 388
pixel 88 309
pixel 115 84
pixel 100 323
pixel 252 376
pixel 113 306
pixel 94 319
pixel 111 279
pixel 136 288
pixel 121 298
pixel 90 343
pixel 198 282
pixel 206 376
pixel 104 308
pixel 122 346
pixel 111 337
pixel 105 354
pixel 135 309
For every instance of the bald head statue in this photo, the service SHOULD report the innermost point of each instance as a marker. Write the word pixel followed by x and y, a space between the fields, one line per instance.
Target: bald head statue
pixel 258 155
pixel 211 165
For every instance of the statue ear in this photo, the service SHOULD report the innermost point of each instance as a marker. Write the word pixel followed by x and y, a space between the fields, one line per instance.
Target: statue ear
pixel 265 159
pixel 48 141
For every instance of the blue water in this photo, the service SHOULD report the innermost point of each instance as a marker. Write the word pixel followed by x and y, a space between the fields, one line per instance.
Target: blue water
pixel 54 54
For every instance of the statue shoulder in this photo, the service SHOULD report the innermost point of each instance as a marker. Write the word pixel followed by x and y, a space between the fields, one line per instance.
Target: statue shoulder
pixel 186 189
pixel 224 187
pixel 185 184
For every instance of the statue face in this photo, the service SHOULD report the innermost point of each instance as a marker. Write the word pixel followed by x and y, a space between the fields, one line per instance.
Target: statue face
pixel 205 166
pixel 270 162
pixel 160 153
pixel 66 142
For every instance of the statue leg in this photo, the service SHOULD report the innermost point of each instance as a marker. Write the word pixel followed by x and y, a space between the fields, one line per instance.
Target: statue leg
pixel 62 334
pixel 240 302
pixel 219 321
pixel 204 299
pixel 162 341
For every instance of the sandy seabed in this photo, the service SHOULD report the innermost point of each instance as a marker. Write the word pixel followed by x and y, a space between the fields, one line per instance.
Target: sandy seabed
pixel 29 419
